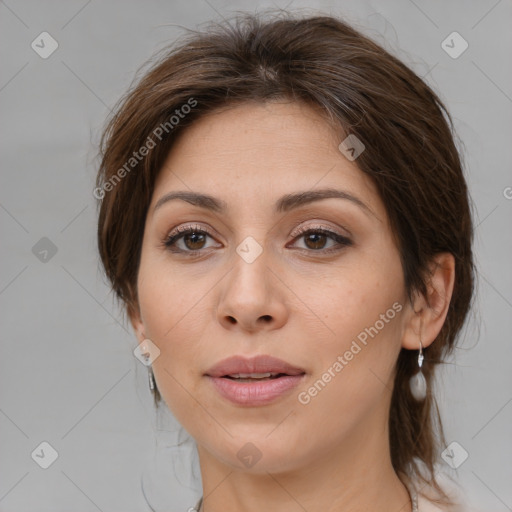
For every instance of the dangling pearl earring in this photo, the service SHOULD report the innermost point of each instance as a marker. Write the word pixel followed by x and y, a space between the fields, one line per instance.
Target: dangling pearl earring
pixel 418 383
pixel 145 353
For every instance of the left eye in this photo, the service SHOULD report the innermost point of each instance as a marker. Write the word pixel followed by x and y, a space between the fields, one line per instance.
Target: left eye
pixel 318 239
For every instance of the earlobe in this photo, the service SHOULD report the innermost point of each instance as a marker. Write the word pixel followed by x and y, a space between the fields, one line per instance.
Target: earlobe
pixel 429 311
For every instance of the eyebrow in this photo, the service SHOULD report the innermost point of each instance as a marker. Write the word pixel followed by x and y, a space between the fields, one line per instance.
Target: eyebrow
pixel 284 204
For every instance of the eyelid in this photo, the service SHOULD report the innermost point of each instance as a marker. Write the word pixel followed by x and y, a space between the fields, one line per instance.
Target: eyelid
pixel 199 227
pixel 300 230
pixel 188 227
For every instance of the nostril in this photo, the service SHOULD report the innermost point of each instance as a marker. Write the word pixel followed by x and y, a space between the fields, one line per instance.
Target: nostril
pixel 266 318
pixel 231 319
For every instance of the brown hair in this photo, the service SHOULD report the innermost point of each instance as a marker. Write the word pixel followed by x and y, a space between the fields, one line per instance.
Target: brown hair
pixel 363 90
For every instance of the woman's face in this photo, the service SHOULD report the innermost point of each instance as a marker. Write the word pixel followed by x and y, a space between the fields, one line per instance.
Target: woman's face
pixel 279 246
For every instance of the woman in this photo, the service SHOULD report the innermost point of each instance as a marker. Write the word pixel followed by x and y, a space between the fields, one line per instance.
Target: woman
pixel 285 218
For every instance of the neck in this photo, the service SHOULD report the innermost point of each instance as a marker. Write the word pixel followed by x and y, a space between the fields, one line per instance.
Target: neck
pixel 356 476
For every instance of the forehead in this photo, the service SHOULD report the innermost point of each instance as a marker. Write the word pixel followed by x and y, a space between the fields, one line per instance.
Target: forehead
pixel 261 150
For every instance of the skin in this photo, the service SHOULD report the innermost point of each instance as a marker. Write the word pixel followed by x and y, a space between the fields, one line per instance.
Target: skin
pixel 297 301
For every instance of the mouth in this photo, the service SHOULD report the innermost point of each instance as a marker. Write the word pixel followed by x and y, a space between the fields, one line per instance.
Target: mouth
pixel 255 381
pixel 254 377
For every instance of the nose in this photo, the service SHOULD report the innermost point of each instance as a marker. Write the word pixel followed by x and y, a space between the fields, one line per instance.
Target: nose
pixel 252 297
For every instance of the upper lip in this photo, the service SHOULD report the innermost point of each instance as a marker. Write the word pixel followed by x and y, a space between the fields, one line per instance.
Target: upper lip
pixel 257 364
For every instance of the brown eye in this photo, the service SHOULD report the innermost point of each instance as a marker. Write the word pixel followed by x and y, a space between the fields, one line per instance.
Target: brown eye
pixel 190 240
pixel 194 241
pixel 315 240
pixel 322 241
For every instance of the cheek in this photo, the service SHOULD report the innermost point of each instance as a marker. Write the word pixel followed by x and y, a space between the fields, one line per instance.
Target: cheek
pixel 172 322
pixel 173 313
pixel 167 297
pixel 351 300
pixel 176 309
pixel 354 372
pixel 361 311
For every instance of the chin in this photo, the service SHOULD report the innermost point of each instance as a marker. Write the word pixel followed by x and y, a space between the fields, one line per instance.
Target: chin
pixel 257 452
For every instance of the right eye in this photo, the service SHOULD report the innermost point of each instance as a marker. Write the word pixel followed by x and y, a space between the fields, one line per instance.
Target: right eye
pixel 190 239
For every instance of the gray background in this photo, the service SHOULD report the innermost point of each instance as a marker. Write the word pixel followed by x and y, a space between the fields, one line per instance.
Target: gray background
pixel 67 372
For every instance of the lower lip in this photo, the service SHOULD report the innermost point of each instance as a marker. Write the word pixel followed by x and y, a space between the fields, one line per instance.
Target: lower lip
pixel 255 393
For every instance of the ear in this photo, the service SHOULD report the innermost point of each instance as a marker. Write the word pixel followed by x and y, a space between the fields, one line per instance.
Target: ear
pixel 136 321
pixel 428 312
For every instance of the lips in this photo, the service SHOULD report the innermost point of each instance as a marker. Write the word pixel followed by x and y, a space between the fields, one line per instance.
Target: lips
pixel 249 377
pixel 257 367
pixel 254 381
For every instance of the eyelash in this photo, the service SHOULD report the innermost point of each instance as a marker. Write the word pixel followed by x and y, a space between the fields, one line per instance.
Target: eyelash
pixel 179 233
